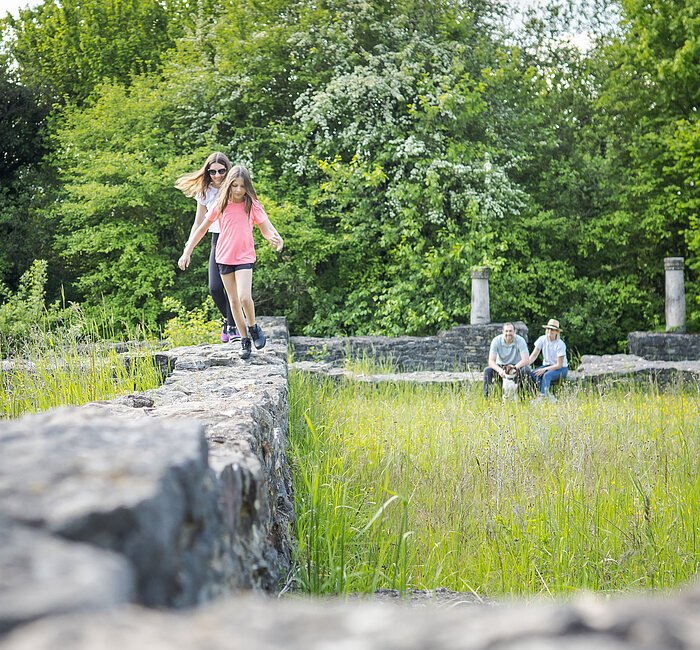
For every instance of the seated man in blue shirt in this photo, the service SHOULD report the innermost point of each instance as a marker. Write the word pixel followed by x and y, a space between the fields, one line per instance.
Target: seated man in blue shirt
pixel 508 352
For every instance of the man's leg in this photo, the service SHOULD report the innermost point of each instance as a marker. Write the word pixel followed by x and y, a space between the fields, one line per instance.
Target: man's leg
pixel 489 375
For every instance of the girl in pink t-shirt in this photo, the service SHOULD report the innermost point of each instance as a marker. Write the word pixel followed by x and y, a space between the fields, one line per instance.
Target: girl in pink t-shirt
pixel 237 209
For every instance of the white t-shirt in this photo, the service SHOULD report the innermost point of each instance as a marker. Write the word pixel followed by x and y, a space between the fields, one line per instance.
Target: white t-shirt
pixel 552 350
pixel 208 201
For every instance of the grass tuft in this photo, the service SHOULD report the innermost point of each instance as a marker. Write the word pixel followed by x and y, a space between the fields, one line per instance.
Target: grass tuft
pixel 71 366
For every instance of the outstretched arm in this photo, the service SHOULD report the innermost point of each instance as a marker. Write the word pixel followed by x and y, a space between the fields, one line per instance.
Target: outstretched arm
pixel 195 237
pixel 268 232
pixel 199 216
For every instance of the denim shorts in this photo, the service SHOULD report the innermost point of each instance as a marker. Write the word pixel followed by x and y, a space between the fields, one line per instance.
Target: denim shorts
pixel 225 269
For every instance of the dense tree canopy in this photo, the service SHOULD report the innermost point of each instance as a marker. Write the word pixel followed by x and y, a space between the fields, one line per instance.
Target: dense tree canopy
pixel 396 144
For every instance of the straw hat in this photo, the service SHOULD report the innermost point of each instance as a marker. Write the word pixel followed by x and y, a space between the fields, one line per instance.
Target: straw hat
pixel 552 324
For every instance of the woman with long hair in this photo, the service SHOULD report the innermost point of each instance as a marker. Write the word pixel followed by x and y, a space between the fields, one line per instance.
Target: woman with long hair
pixel 204 185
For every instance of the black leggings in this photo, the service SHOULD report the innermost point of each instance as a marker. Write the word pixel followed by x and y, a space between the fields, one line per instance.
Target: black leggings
pixel 216 286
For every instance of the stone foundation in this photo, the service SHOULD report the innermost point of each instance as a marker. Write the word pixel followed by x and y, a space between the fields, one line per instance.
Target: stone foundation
pixel 462 348
pixel 670 346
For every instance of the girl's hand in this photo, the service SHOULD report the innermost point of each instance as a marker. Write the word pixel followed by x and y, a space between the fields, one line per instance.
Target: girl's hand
pixel 184 261
pixel 276 242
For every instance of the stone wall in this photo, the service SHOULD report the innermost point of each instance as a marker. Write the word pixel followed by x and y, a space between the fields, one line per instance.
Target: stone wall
pixel 586 622
pixel 462 348
pixel 610 369
pixel 671 346
pixel 182 495
pixel 168 498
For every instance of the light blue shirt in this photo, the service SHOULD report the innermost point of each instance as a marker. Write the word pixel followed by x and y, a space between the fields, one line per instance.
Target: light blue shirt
pixel 508 353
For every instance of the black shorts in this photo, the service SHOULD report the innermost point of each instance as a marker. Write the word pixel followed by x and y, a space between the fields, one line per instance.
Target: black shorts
pixel 225 269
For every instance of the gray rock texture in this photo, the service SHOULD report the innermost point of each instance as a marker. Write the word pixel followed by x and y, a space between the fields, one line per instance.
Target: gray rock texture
pixel 603 370
pixel 42 575
pixel 417 377
pixel 668 346
pixel 610 368
pixel 133 486
pixel 187 484
pixel 588 623
pixel 182 496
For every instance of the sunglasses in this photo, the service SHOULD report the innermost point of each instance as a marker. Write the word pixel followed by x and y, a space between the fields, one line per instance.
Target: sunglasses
pixel 214 172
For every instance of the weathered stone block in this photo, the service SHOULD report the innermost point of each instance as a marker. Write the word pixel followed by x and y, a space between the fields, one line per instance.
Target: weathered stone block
pixel 586 623
pixel 43 575
pixel 127 485
pixel 187 483
pixel 668 346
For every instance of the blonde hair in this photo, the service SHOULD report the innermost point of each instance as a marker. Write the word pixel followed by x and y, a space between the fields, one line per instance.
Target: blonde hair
pixel 197 183
pixel 236 172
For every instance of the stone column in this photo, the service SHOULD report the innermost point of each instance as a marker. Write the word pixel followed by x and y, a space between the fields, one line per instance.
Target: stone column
pixel 675 294
pixel 480 311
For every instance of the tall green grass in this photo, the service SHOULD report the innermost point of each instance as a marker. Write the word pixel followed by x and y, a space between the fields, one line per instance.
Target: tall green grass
pixel 410 487
pixel 71 366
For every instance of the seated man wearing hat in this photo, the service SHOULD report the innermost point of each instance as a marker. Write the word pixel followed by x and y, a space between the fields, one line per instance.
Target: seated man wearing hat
pixel 554 366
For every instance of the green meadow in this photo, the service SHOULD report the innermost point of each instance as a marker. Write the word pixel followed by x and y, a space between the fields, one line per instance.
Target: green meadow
pixel 57 369
pixel 417 487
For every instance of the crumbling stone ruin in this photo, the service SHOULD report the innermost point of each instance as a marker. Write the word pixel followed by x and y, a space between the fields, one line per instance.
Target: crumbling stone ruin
pixel 163 520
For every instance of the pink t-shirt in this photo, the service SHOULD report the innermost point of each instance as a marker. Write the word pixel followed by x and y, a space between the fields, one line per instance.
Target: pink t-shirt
pixel 236 245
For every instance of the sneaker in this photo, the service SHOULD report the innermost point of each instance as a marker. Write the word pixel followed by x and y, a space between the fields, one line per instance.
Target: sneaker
pixel 245 349
pixel 224 332
pixel 258 336
pixel 233 334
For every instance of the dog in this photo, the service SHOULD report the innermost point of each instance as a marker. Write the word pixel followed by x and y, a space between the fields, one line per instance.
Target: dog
pixel 510 384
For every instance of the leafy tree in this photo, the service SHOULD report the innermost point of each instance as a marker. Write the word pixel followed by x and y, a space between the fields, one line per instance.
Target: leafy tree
pixel 22 148
pixel 121 223
pixel 650 109
pixel 395 144
pixel 117 226
pixel 390 143
pixel 21 122
pixel 63 50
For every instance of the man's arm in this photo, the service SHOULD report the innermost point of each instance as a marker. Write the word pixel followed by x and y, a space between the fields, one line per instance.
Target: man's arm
pixel 524 361
pixel 496 368
pixel 524 356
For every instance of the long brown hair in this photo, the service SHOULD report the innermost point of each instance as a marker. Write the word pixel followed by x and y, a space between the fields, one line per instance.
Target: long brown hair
pixel 238 171
pixel 197 183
